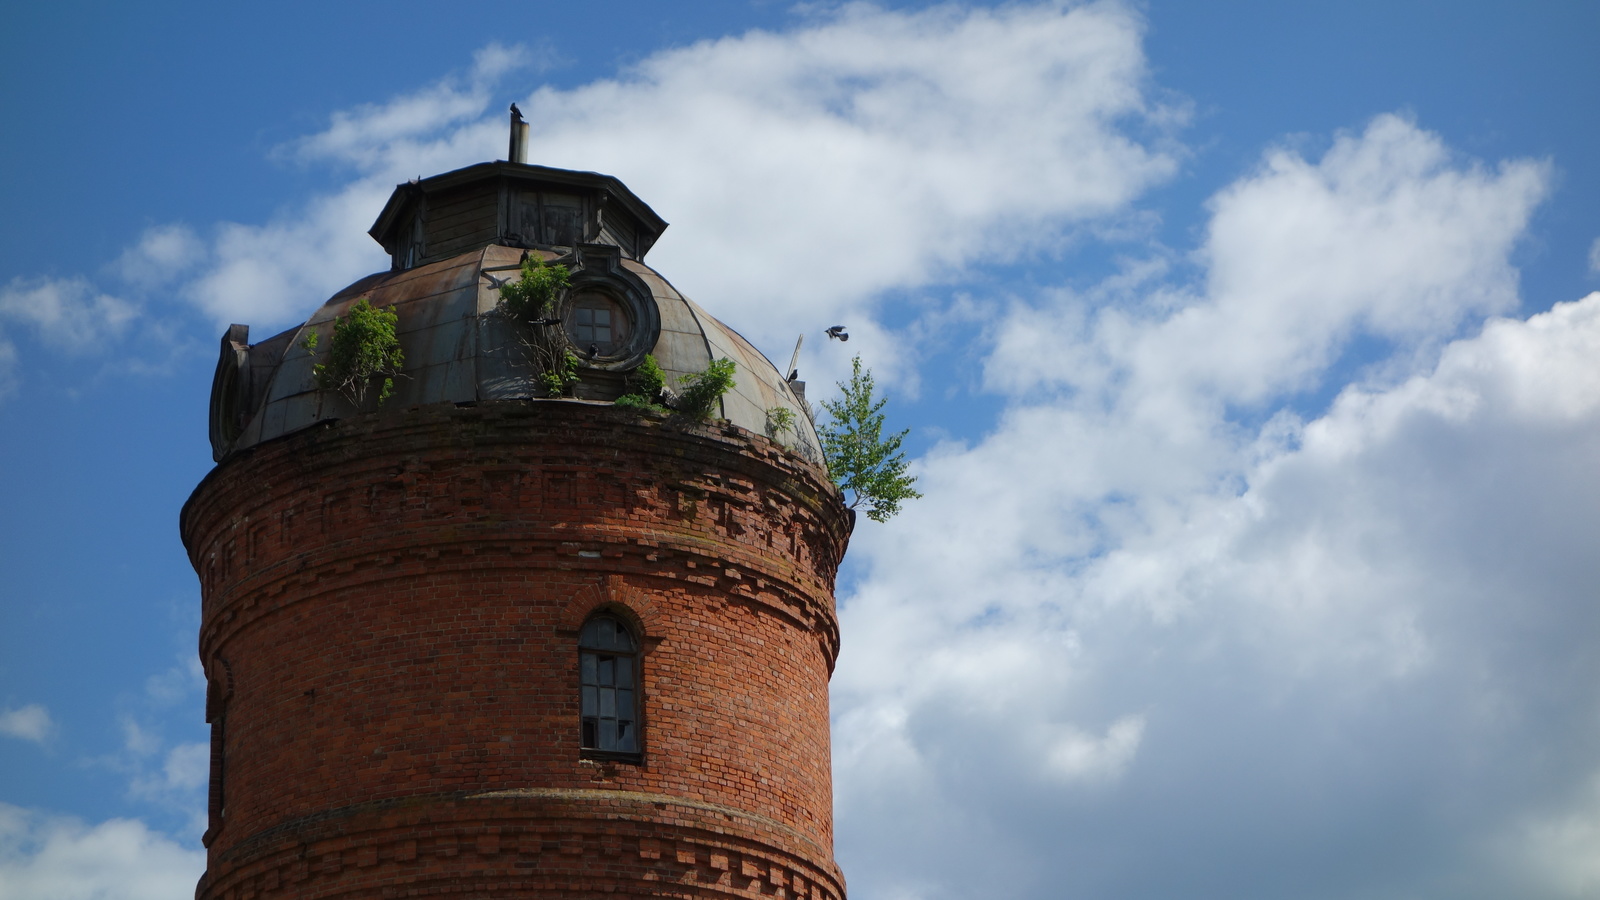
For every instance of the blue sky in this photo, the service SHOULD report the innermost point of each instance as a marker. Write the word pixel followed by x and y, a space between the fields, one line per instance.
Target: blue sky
pixel 1249 351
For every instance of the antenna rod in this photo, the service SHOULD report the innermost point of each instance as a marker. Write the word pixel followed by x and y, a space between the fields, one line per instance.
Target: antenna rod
pixel 518 152
pixel 795 358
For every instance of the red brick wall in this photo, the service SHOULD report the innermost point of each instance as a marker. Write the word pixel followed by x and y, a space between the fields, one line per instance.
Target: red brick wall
pixel 390 618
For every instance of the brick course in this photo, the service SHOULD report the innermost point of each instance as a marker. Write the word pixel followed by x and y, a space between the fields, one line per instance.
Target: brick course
pixel 390 616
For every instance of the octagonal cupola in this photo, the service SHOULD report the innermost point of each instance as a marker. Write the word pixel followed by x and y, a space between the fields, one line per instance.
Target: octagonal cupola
pixel 513 205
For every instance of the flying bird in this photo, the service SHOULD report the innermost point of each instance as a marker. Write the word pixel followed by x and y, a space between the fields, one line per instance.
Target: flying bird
pixel 495 283
pixel 837 331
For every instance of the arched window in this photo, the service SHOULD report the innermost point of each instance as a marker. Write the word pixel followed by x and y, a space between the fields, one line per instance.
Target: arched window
pixel 608 665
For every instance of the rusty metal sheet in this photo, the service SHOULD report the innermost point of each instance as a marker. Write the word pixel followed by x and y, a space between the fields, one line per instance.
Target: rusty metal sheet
pixel 502 373
pixel 757 385
pixel 458 349
pixel 675 314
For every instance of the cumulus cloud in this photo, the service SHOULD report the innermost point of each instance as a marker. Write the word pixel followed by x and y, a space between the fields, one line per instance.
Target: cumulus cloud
pixel 1265 645
pixel 172 777
pixel 280 272
pixel 814 168
pixel 811 170
pixel 28 723
pixel 164 253
pixel 69 314
pixel 1383 237
pixel 45 857
pixel 384 135
pixel 1076 756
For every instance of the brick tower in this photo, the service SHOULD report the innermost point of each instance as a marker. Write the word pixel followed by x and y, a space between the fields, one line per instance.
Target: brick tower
pixel 473 642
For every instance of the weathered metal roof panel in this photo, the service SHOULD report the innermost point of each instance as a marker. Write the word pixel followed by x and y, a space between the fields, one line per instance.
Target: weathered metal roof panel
pixel 459 349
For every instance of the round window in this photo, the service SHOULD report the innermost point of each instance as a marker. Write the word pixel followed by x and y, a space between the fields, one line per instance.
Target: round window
pixel 597 325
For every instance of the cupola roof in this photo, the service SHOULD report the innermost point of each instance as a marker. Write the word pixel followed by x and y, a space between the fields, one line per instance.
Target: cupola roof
pixel 516 205
pixel 454 239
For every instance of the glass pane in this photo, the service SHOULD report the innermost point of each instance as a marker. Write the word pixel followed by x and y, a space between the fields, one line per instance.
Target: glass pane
pixel 590 703
pixel 608 703
pixel 587 667
pixel 624 704
pixel 625 671
pixel 602 318
pixel 591 634
pixel 608 667
pixel 624 639
pixel 606 633
pixel 625 736
pixel 608 735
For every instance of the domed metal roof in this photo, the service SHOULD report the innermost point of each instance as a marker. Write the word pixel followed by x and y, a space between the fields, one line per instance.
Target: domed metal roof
pixel 460 348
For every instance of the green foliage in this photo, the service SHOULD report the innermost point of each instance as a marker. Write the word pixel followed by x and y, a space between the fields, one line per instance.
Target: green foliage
pixel 645 383
pixel 634 401
pixel 860 459
pixel 364 350
pixel 700 392
pixel 533 296
pixel 560 378
pixel 779 420
pixel 531 302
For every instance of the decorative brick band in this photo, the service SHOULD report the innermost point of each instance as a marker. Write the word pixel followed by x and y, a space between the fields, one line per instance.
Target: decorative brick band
pixel 546 843
pixel 335 499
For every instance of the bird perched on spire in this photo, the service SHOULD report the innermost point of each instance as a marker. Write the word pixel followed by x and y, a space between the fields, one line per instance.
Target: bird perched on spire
pixel 516 114
pixel 837 332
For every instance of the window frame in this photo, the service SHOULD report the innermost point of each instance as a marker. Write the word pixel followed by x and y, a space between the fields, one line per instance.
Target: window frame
pixel 621 325
pixel 635 667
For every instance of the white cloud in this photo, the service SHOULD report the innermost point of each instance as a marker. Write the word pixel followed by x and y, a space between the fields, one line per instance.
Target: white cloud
pixel 67 313
pixel 173 776
pixel 1562 849
pixel 274 274
pixel 8 368
pixel 184 681
pixel 163 253
pixel 138 741
pixel 187 767
pixel 1382 237
pixel 385 135
pixel 28 723
pixel 45 857
pixel 807 170
pixel 1370 629
pixel 1076 756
